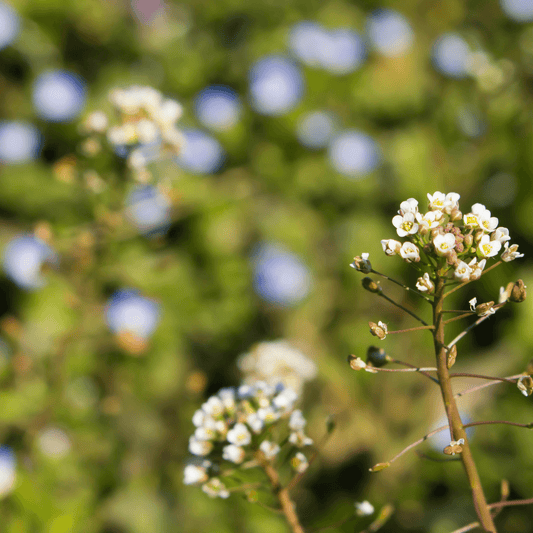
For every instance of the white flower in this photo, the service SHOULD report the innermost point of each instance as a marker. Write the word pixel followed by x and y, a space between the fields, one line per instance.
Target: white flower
pixel 96 122
pixel 436 200
pixel 479 209
pixel 198 417
pixel 364 508
pixel 391 247
pixel 207 431
pixel 268 414
pixel 200 447
pixel 256 424
pixel 239 435
pixel 451 202
pixel 500 234
pixel 299 439
pixel 357 364
pixel 488 248
pixel 424 284
pixel 194 474
pixel 215 488
pixel 511 252
pixel 477 268
pixel 297 421
pixel 213 407
pixel 285 399
pixel 269 449
pixel 462 272
pixel 299 462
pixel 233 453
pixel 408 206
pixel 482 309
pixel 444 244
pixel 471 220
pixel 405 225
pixel 428 221
pixel 410 252
pixel 473 303
pixel 486 222
pixel 227 397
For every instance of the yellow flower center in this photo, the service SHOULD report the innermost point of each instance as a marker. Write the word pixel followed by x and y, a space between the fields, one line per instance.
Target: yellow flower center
pixel 407 226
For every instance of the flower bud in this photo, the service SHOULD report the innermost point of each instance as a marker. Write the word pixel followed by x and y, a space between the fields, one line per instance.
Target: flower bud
pixel 379 330
pixel 525 385
pixel 379 466
pixel 478 235
pixel 518 292
pixel 370 285
pixel 456 215
pixel 362 264
pixel 485 309
pixel 469 240
pixel 376 356
pixel 454 447
pixel 451 356
pixel 356 363
pixel 452 259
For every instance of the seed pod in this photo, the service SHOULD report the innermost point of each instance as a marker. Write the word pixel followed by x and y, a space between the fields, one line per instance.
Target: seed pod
pixel 518 293
pixel 370 285
pixel 452 355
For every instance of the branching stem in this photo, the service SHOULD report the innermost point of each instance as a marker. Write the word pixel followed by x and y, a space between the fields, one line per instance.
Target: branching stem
pixel 420 295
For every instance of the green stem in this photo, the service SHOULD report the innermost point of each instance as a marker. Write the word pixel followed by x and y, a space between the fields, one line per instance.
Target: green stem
pixel 457 430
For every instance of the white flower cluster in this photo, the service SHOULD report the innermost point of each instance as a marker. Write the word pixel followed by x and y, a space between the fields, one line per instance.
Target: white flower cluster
pixel 146 127
pixel 277 361
pixel 444 235
pixel 244 424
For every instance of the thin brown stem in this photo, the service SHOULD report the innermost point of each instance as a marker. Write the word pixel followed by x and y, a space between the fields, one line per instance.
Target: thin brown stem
pixel 402 285
pixel 510 503
pixel 478 387
pixel 413 369
pixel 457 430
pixel 479 376
pixel 470 281
pixel 507 422
pixel 408 330
pixel 398 362
pixel 468 527
pixel 402 308
pixel 287 505
pixel 467 314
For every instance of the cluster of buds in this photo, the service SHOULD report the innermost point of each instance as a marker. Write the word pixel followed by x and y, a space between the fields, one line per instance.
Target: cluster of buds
pixel 244 426
pixel 145 130
pixel 460 244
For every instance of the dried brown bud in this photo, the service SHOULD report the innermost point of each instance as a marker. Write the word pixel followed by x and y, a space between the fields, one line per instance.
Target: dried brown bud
pixel 525 385
pixel 379 330
pixel 356 363
pixel 518 293
pixel 451 356
pixel 377 356
pixel 485 309
pixel 370 285
pixel 452 449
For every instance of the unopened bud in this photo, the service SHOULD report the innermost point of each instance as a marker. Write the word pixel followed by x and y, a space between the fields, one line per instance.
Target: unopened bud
pixel 379 466
pixel 370 285
pixel 362 264
pixel 468 241
pixel 379 330
pixel 525 385
pixel 456 215
pixel 518 292
pixel 452 259
pixel 454 447
pixel 451 356
pixel 485 309
pixel 356 363
pixel 478 235
pixel 377 356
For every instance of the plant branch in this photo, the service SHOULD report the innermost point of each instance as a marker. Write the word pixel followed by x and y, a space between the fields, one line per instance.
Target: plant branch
pixel 398 362
pixel 480 376
pixel 478 387
pixel 470 281
pixel 465 315
pixel 408 330
pixel 420 295
pixel 402 308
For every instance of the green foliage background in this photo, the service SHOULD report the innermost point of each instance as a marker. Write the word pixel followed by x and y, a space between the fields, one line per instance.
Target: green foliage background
pixel 129 418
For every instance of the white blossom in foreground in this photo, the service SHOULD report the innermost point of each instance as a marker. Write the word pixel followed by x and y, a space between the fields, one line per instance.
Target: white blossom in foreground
pixel 424 284
pixel 364 508
pixel 444 244
pixel 243 426
pixel 488 248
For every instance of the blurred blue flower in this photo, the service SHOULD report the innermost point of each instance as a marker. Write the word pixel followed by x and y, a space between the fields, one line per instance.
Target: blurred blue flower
pixel 518 10
pixel 339 51
pixel 450 55
pixel 315 129
pixel 218 107
pixel 279 276
pixel 8 464
pixel 148 209
pixel 354 154
pixel 24 257
pixel 389 32
pixel 9 25
pixel 59 95
pixel 19 142
pixel 442 439
pixel 202 153
pixel 128 311
pixel 276 85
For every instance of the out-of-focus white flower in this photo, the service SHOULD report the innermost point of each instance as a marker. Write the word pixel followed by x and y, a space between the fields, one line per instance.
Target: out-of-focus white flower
pixel 128 311
pixel 444 244
pixel 389 32
pixel 300 439
pixel 354 154
pixel 297 421
pixel 410 252
pixel 215 488
pixel 196 474
pixel 8 473
pixel 391 247
pixel 54 442
pixel 239 435
pixel 364 508
pixel 299 462
pixel 233 453
pixel 24 258
pixel 488 248
pixel 200 447
pixel 424 284
pixel 477 268
pixel 269 449
pixel 405 224
pixel 96 122
pixel 59 95
pixel 462 272
pixel 510 253
pixel 19 142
